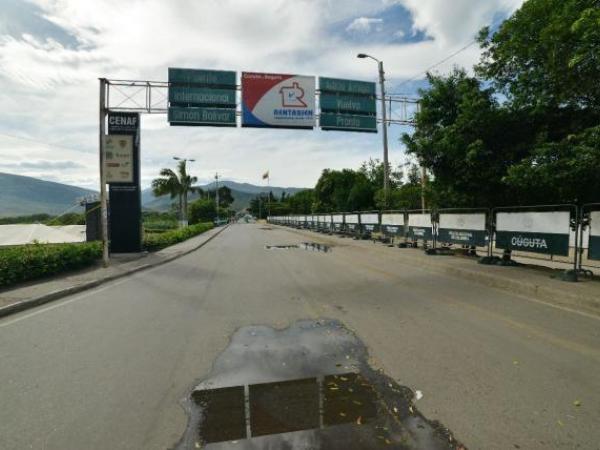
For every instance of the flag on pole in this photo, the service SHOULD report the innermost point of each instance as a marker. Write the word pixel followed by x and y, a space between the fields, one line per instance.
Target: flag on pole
pixel 265 175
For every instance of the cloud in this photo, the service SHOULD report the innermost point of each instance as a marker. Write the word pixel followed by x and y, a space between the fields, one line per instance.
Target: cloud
pixel 457 21
pixel 49 75
pixel 363 24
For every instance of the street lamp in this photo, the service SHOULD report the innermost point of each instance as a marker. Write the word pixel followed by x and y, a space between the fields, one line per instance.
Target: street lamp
pixel 177 158
pixel 386 175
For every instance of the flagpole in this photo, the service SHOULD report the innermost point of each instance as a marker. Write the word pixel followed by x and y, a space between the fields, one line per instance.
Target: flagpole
pixel 268 193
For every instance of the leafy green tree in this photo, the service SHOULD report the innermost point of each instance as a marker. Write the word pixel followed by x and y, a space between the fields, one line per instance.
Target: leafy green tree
pixel 176 184
pixel 467 141
pixel 302 202
pixel 566 171
pixel 225 196
pixel 547 55
pixel 202 210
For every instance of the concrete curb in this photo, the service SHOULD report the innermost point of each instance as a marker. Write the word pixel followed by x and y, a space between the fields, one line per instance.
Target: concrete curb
pixel 546 294
pixel 55 295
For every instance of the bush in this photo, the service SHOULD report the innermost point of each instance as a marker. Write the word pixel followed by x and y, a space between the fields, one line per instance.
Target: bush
pixel 156 241
pixel 27 262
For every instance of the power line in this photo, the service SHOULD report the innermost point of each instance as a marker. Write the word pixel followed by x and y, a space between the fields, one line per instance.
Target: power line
pixel 35 141
pixel 436 65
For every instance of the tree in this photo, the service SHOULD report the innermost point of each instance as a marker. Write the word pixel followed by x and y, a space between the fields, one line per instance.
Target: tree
pixel 546 60
pixel 225 196
pixel 467 141
pixel 547 55
pixel 202 210
pixel 176 185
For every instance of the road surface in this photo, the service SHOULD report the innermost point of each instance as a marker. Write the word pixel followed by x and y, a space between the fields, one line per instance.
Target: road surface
pixel 110 368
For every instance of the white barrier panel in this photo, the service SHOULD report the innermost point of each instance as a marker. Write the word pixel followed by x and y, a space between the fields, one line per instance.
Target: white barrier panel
pixel 392 223
pixel 540 232
pixel 369 219
pixel 420 226
pixel 337 218
pixel 369 222
pixel 352 218
pixel 594 239
pixel 351 222
pixel 462 228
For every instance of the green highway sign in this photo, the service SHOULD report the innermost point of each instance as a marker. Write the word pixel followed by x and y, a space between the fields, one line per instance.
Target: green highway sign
pixel 201 96
pixel 348 122
pixel 222 78
pixel 347 103
pixel 346 86
pixel 202 116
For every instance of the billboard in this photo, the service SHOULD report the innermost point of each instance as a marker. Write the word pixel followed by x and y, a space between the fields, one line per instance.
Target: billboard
pixel 118 158
pixel 538 232
pixel 277 101
pixel 467 228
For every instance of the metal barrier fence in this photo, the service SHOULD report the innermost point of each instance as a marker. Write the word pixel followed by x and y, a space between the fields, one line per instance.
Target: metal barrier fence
pixel 562 231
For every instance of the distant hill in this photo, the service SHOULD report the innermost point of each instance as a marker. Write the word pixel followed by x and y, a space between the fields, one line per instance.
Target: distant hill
pixel 21 195
pixel 242 193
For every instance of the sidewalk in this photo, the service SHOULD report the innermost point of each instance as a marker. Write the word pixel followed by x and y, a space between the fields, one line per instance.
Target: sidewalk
pixel 540 283
pixel 38 292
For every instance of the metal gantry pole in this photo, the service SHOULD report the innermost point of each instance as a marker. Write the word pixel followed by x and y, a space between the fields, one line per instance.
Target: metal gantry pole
pixel 103 202
pixel 384 125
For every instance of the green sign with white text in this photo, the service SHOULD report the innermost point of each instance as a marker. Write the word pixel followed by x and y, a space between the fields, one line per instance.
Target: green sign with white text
pixel 202 97
pixel 194 96
pixel 202 116
pixel 198 77
pixel 348 122
pixel 346 86
pixel 347 103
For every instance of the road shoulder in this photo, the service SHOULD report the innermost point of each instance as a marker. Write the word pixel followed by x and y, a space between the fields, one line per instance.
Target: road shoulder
pixel 37 293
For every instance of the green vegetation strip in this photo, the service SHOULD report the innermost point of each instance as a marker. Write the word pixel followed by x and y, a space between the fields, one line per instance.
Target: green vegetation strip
pixel 156 241
pixel 28 262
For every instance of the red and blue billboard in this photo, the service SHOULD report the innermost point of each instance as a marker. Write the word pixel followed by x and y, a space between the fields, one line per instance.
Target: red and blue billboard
pixel 272 100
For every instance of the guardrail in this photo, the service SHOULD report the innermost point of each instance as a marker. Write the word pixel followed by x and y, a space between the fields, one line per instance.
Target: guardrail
pixel 549 231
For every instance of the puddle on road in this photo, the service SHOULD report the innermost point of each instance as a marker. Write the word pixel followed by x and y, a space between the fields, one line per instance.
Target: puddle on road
pixel 314 246
pixel 308 386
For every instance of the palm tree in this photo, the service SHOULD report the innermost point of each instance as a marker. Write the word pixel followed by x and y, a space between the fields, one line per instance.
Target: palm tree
pixel 176 185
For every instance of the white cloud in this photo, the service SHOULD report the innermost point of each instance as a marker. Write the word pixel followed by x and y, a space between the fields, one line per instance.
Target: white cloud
pixel 454 22
pixel 364 24
pixel 50 89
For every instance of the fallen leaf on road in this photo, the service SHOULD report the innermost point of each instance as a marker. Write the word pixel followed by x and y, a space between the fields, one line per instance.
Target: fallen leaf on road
pixel 577 403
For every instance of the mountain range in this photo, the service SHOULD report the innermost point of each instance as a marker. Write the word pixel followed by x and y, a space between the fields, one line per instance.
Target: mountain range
pixel 20 195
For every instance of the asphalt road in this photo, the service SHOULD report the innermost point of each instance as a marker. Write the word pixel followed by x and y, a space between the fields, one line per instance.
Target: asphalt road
pixel 109 368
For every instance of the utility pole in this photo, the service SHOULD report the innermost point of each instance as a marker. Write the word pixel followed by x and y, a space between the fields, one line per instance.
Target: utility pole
pixel 384 124
pixel 103 202
pixel 423 187
pixel 217 194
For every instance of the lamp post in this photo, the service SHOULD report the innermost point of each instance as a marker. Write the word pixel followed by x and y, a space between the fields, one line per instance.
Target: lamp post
pixel 386 175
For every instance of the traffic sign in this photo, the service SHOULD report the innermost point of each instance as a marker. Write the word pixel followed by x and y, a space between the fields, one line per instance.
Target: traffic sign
pixel 195 96
pixel 346 86
pixel 348 122
pixel 200 77
pixel 347 103
pixel 202 97
pixel 202 116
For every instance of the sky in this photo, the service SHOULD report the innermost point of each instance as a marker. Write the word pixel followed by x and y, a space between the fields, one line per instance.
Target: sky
pixel 52 53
